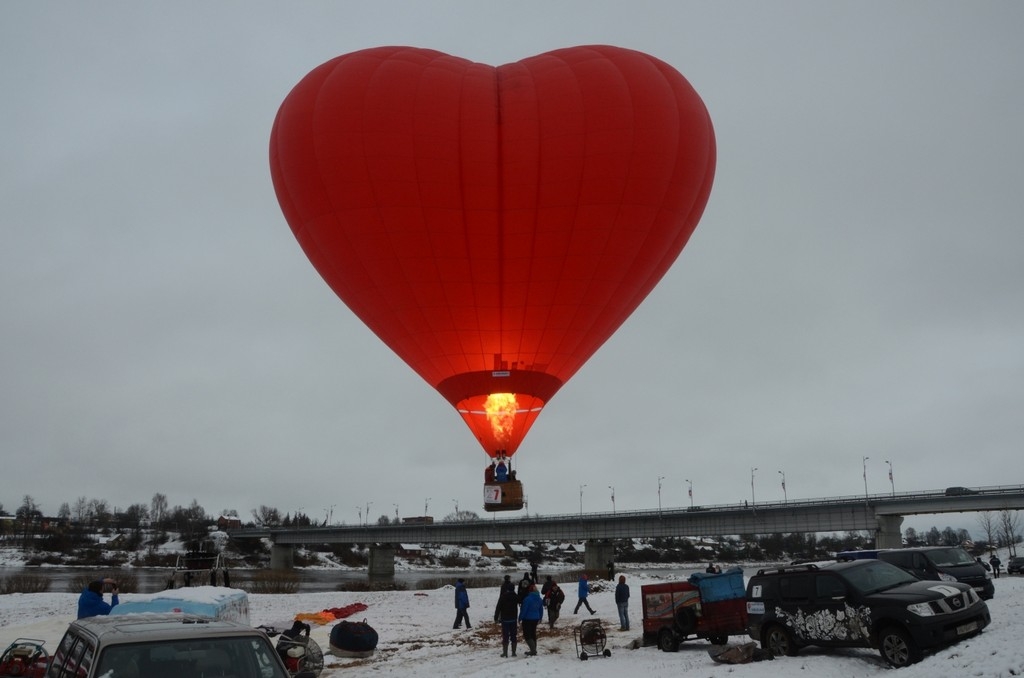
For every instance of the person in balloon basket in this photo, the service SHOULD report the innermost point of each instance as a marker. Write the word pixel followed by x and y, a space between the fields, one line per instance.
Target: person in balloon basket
pixel 622 602
pixel 461 604
pixel 91 603
pixel 506 612
pixel 501 472
pixel 530 614
pixel 583 591
pixel 553 601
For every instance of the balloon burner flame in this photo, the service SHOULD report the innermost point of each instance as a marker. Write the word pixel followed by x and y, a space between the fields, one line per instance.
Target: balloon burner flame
pixel 501 413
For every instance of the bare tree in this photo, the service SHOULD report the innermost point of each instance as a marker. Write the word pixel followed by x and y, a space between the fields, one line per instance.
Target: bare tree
pixel 1009 525
pixel 989 527
pixel 266 515
pixel 81 510
pixel 28 513
pixel 158 508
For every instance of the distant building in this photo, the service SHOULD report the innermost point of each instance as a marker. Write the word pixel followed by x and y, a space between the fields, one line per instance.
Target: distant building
pixel 493 549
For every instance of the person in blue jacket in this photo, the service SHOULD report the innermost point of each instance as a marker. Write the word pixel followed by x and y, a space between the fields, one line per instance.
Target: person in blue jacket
pixel 91 603
pixel 584 591
pixel 530 614
pixel 461 604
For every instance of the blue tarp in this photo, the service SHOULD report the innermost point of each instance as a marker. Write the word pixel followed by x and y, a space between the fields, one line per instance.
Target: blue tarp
pixel 715 587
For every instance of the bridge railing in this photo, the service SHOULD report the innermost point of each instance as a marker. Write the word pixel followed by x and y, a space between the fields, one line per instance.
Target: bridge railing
pixel 876 499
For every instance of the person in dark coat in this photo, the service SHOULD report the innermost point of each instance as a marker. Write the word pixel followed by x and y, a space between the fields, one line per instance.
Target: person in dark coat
pixel 622 602
pixel 461 604
pixel 995 563
pixel 91 603
pixel 553 601
pixel 584 591
pixel 530 614
pixel 507 613
pixel 524 586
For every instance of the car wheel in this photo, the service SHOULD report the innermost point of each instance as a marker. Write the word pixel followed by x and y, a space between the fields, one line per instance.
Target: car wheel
pixel 718 639
pixel 897 647
pixel 779 641
pixel 668 641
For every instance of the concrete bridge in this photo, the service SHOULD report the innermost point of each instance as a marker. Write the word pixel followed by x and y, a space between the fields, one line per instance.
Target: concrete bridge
pixel 882 514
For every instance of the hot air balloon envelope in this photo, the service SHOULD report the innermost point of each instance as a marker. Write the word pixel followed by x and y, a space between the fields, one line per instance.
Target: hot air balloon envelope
pixel 493 225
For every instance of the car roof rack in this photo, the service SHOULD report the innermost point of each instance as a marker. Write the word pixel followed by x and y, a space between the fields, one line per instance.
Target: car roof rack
pixel 807 567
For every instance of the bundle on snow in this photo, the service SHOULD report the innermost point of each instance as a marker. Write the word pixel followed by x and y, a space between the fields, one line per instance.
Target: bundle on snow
pixel 353 639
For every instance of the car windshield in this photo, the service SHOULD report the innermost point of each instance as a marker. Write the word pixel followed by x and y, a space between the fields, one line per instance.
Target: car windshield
pixel 191 658
pixel 875 576
pixel 950 557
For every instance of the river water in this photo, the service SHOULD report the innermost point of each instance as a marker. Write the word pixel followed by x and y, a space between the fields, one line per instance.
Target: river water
pixel 153 579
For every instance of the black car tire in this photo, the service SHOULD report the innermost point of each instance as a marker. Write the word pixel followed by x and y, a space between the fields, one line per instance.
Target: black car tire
pixel 718 639
pixel 778 640
pixel 668 641
pixel 898 649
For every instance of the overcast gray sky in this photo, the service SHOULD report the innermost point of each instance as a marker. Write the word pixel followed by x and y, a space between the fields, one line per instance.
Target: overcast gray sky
pixel 853 289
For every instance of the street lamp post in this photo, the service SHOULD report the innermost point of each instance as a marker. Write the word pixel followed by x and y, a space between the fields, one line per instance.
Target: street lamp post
pixel 689 490
pixel 613 498
pixel 891 483
pixel 581 500
pixel 360 509
pixel 865 462
pixel 785 497
pixel 660 478
pixel 426 507
pixel 456 502
pixel 752 501
pixel 396 513
pixel 368 505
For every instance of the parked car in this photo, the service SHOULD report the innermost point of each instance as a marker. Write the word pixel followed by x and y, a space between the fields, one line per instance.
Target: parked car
pixel 860 603
pixel 959 491
pixel 943 563
pixel 165 646
pixel 937 563
pixel 1015 566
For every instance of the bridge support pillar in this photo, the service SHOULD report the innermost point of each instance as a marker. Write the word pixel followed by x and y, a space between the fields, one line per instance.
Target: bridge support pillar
pixel 382 561
pixel 597 556
pixel 889 534
pixel 281 557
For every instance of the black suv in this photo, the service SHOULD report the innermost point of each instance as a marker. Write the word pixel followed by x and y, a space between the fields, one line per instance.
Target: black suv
pixel 1016 565
pixel 863 603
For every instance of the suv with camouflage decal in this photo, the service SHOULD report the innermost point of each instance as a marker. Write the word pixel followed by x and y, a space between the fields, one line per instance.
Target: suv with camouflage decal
pixel 863 603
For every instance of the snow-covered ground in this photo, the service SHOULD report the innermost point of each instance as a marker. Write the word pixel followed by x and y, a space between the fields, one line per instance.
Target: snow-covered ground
pixel 416 638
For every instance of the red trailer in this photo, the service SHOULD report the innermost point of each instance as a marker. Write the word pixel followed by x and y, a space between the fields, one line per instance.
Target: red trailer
pixel 707 606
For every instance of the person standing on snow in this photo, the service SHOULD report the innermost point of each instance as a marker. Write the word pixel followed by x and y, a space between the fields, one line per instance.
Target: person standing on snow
pixel 530 615
pixel 507 613
pixel 584 591
pixel 622 602
pixel 554 599
pixel 91 603
pixel 995 563
pixel 461 604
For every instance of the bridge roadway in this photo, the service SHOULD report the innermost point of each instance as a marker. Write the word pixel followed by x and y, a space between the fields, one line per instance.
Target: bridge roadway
pixel 880 513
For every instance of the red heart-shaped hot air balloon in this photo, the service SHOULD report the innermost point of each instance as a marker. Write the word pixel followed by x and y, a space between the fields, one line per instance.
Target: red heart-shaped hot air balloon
pixel 493 225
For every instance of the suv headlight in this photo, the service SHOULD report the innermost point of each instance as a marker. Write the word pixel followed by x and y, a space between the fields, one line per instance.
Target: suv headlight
pixel 922 609
pixel 945 577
